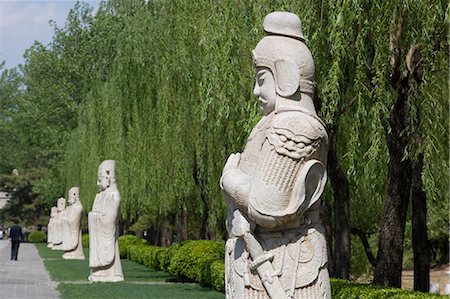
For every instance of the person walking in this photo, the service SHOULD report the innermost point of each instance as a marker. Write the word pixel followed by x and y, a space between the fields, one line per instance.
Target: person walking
pixel 15 234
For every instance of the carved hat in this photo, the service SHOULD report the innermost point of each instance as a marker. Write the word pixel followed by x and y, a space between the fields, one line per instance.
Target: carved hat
pixel 283 23
pixel 74 192
pixel 285 54
pixel 107 168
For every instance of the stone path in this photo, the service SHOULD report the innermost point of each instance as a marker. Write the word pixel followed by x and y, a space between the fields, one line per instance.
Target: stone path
pixel 25 278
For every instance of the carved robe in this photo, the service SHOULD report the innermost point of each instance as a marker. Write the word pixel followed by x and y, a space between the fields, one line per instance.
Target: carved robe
pixel 272 187
pixel 50 229
pixel 72 244
pixel 57 231
pixel 104 256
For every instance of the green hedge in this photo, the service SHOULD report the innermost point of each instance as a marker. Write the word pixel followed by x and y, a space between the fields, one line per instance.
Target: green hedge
pixel 37 237
pixel 203 261
pixel 343 289
pixel 194 259
pixel 199 260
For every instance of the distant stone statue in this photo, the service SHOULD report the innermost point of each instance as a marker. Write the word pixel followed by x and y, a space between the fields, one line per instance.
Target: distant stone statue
pixel 72 244
pixel 104 257
pixel 276 246
pixel 50 226
pixel 57 235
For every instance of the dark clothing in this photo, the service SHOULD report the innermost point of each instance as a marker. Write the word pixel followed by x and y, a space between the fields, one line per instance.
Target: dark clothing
pixel 15 234
pixel 14 249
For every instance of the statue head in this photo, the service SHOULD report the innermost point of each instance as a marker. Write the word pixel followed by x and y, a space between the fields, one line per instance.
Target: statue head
pixel 74 195
pixel 283 62
pixel 61 204
pixel 106 174
pixel 53 211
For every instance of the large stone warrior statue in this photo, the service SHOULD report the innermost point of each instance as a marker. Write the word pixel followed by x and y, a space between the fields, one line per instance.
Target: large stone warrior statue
pixel 72 244
pixel 276 246
pixel 104 256
pixel 58 224
pixel 51 226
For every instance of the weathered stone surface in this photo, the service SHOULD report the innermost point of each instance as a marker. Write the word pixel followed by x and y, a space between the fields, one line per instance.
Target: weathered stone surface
pixel 51 226
pixel 276 247
pixel 72 244
pixel 57 235
pixel 104 257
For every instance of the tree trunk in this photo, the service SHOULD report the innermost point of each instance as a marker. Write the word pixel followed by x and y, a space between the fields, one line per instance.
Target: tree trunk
pixel 205 214
pixel 365 242
pixel 339 184
pixel 420 242
pixel 325 219
pixel 388 271
pixel 205 218
pixel 182 224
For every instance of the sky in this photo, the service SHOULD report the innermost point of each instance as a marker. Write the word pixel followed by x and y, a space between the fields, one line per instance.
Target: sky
pixel 22 22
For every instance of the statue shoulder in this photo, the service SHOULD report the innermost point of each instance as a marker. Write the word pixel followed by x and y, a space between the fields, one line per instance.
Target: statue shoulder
pixel 113 194
pixel 296 134
pixel 299 123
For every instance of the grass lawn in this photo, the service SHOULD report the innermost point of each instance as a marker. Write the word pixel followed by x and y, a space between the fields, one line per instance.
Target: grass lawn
pixel 140 281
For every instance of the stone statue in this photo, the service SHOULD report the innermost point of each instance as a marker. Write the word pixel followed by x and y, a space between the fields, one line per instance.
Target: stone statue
pixel 104 257
pixel 72 243
pixel 58 224
pixel 50 226
pixel 276 246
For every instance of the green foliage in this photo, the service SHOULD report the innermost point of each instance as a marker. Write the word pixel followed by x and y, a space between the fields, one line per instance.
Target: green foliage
pixel 343 289
pixel 194 260
pixel 359 264
pixel 24 204
pixel 218 275
pixel 37 237
pixel 85 240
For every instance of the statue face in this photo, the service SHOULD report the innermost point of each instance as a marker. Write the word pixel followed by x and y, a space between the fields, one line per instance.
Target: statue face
pixel 102 182
pixel 72 199
pixel 265 89
pixel 61 204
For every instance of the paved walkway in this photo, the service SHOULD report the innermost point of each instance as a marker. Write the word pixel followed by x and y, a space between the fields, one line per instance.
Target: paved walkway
pixel 25 278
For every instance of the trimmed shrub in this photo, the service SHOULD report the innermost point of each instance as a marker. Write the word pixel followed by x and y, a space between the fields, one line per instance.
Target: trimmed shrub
pixel 193 260
pixel 344 289
pixel 125 243
pixel 85 240
pixel 169 254
pixel 37 237
pixel 218 275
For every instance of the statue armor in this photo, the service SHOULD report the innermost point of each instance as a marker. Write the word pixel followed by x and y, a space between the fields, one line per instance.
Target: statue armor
pixel 276 246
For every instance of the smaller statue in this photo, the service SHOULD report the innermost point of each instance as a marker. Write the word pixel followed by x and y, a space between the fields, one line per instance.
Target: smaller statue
pixel 104 257
pixel 57 228
pixel 72 243
pixel 50 226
